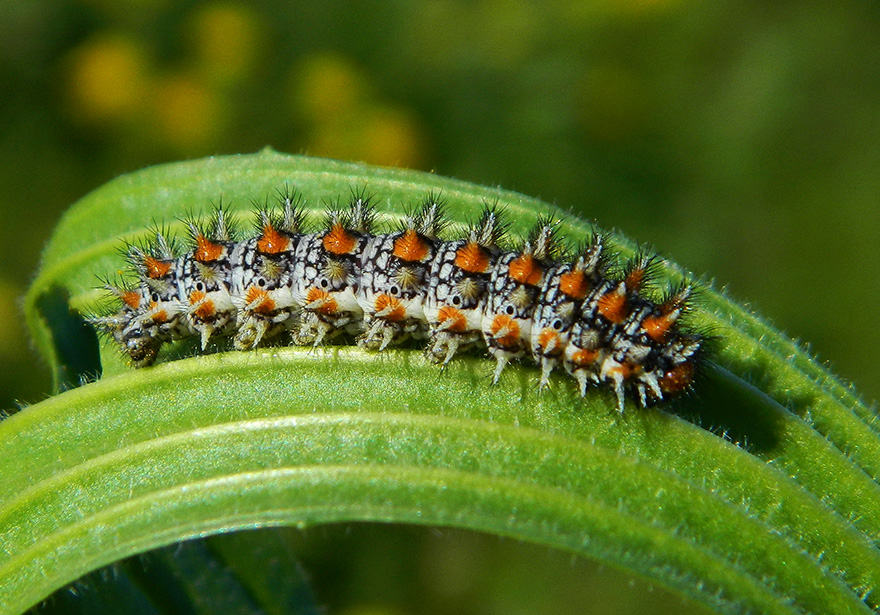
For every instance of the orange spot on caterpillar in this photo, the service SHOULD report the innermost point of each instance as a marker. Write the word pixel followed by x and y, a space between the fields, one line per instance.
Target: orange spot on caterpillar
pixel 525 270
pixel 410 247
pixel 156 315
pixel 574 284
pixel 156 268
pixel 260 300
pixel 658 326
pixel 635 279
pixel 206 309
pixel 624 369
pixel 548 336
pixel 391 308
pixel 272 241
pixel 505 330
pixel 327 305
pixel 339 241
pixel 585 357
pixel 678 378
pixel 206 250
pixel 613 307
pixel 131 298
pixel 472 258
pixel 449 313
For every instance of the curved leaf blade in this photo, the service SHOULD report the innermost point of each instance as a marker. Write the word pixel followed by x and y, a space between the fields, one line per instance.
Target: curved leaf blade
pixel 684 507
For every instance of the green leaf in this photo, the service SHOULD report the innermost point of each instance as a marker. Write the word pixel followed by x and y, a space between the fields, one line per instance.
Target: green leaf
pixel 780 516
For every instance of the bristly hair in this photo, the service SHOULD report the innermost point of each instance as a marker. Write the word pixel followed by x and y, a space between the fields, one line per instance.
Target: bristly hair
pixel 106 306
pixel 362 211
pixel 358 215
pixel 293 214
pixel 431 219
pixel 594 252
pixel 641 272
pixel 264 215
pixel 220 226
pixel 222 223
pixel 159 243
pixel 682 295
pixel 286 217
pixel 427 218
pixel 490 230
pixel 543 239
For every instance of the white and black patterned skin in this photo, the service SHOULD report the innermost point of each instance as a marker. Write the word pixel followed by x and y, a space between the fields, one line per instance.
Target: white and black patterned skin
pixel 514 288
pixel 152 310
pixel 158 270
pixel 394 272
pixel 261 276
pixel 623 340
pixel 458 286
pixel 646 360
pixel 602 327
pixel 565 288
pixel 587 340
pixel 136 336
pixel 327 274
pixel 204 279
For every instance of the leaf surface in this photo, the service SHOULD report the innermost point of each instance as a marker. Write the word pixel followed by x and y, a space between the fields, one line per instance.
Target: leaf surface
pixel 781 516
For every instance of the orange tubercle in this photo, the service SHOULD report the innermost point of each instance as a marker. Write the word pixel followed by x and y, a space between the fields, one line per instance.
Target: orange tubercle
pixel 574 284
pixel 410 247
pixel 339 241
pixel 156 268
pixel 635 279
pixel 511 338
pixel 265 304
pixel 329 305
pixel 545 337
pixel 584 358
pixel 272 241
pixel 131 298
pixel 657 326
pixel 206 310
pixel 396 313
pixel 525 270
pixel 206 250
pixel 459 321
pixel 623 369
pixel 613 307
pixel 472 258
pixel 678 378
pixel 158 316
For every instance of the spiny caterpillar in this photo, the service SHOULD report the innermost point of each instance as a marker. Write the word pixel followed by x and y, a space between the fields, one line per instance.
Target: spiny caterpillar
pixel 568 308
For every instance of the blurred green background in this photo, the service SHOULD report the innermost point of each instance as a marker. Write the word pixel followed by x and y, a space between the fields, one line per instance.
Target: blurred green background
pixel 742 139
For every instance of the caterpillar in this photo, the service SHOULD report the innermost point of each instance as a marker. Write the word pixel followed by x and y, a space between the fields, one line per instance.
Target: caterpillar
pixel 575 309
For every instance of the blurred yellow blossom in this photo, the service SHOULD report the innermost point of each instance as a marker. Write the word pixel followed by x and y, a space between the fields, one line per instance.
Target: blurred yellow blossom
pixel 189 114
pixel 333 97
pixel 326 86
pixel 226 39
pixel 392 137
pixel 108 76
